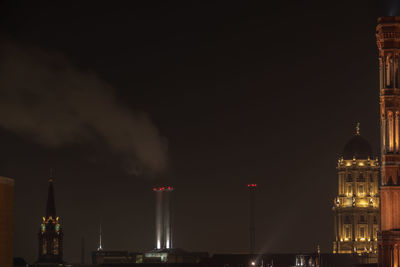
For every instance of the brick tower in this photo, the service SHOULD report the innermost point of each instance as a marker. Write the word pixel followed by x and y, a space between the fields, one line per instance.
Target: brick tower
pixel 388 41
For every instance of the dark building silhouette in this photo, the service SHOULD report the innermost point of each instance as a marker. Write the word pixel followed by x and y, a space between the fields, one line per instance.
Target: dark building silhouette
pixel 50 232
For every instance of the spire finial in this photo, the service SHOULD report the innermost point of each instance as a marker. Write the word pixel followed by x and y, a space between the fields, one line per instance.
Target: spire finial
pixel 51 206
pixel 358 129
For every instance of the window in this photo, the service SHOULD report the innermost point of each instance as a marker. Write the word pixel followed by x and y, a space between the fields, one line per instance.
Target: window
pixel 347 220
pixel 55 246
pixel 361 177
pixel 390 130
pixel 362 218
pixel 349 189
pixel 362 232
pixel 361 189
pixel 347 231
pixel 349 178
pixel 44 248
pixel 375 220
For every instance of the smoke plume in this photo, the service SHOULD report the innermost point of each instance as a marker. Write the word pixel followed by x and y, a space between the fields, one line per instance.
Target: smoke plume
pixel 43 96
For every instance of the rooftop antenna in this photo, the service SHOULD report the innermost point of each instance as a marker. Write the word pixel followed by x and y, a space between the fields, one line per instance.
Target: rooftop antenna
pixel 252 228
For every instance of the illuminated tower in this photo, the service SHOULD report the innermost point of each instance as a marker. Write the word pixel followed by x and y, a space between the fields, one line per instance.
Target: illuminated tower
pixel 356 207
pixel 163 217
pixel 388 42
pixel 50 232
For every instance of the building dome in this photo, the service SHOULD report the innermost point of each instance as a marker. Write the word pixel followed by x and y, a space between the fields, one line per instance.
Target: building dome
pixel 357 147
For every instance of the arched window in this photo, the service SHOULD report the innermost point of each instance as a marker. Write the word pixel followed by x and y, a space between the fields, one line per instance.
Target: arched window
pixel 390 130
pixel 397 131
pixel 389 70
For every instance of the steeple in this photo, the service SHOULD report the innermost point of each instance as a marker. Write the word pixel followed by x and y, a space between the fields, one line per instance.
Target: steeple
pixel 50 232
pixel 51 206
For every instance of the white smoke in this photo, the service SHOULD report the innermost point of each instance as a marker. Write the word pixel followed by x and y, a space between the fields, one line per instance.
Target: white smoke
pixel 43 96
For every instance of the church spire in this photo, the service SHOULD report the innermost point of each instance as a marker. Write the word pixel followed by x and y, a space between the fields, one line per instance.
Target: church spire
pixel 50 232
pixel 51 206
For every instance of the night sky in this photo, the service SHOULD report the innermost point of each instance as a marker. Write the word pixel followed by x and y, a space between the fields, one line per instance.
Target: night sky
pixel 205 97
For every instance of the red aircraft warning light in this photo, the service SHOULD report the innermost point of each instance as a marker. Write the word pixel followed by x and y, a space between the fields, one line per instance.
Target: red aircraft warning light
pixel 163 188
pixel 251 186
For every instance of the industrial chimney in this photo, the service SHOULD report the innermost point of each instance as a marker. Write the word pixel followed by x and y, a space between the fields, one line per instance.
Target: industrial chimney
pixel 163 217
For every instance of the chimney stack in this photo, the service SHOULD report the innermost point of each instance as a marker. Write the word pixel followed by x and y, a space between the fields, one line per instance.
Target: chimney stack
pixel 163 217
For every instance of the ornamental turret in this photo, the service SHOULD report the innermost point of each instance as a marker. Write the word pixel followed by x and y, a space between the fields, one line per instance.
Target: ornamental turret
pixel 356 207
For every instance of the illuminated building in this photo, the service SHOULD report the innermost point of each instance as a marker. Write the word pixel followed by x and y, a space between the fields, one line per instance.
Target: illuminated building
pixel 388 42
pixel 50 232
pixel 356 207
pixel 6 221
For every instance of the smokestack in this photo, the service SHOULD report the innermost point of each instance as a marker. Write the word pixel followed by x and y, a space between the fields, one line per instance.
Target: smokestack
pixel 163 217
pixel 100 248
pixel 159 223
pixel 167 217
pixel 252 227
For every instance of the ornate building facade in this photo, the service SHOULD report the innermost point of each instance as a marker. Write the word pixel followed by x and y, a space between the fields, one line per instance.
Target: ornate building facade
pixel 356 207
pixel 388 42
pixel 50 232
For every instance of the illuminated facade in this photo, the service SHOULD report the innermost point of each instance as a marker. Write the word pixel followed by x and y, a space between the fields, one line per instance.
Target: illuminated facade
pixel 356 207
pixel 388 42
pixel 50 232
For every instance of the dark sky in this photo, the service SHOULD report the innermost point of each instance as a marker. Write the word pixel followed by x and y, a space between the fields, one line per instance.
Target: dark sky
pixel 239 93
